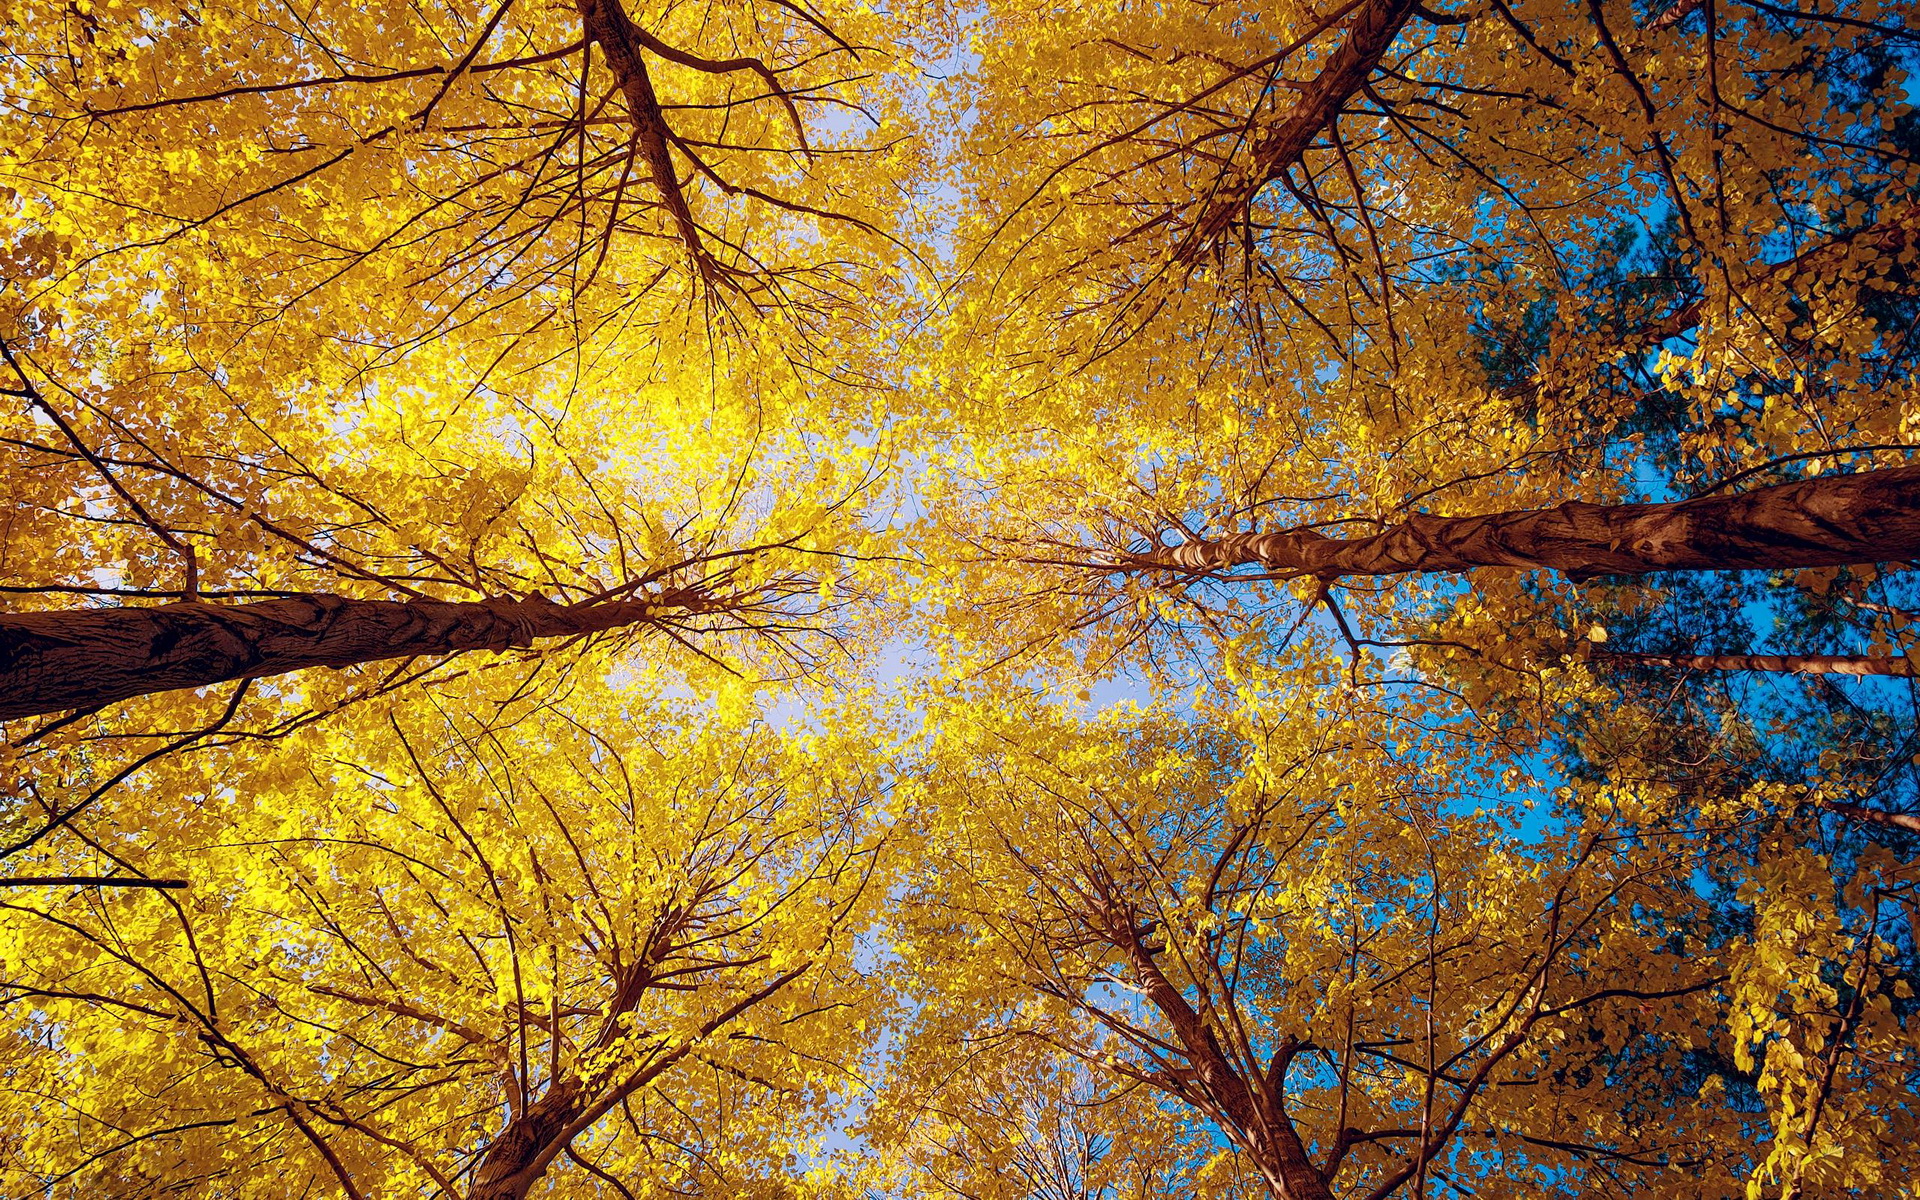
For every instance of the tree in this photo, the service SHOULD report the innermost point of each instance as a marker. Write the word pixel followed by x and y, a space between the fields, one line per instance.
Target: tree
pixel 1203 357
pixel 1521 262
pixel 472 958
pixel 1834 521
pixel 1351 979
pixel 501 160
pixel 390 242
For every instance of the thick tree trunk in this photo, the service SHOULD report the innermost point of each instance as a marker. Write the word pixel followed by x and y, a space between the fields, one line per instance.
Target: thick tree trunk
pixel 519 1156
pixel 607 25
pixel 85 658
pixel 1870 517
pixel 1874 816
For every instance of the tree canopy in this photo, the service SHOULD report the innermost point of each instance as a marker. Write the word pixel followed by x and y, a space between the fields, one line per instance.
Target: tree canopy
pixel 799 598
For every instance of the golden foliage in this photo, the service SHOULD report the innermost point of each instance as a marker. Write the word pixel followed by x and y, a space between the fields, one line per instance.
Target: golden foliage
pixel 909 820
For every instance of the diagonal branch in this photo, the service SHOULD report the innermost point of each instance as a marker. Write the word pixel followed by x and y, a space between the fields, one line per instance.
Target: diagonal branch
pixel 1369 33
pixel 608 26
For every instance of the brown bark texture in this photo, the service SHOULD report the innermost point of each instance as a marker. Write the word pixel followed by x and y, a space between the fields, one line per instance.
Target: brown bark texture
pixel 1369 32
pixel 1256 1116
pixel 519 1156
pixel 1874 816
pixel 1836 520
pixel 607 25
pixel 1677 12
pixel 84 658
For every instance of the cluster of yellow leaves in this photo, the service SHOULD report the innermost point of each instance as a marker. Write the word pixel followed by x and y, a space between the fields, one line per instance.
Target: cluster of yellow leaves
pixel 1815 992
pixel 380 300
pixel 1296 883
pixel 397 935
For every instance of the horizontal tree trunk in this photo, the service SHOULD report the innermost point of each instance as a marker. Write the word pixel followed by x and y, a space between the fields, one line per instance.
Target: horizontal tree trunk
pixel 1874 816
pixel 1796 664
pixel 84 658
pixel 1836 520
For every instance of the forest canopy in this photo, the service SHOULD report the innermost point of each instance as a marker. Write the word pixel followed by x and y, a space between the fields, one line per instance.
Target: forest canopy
pixel 795 598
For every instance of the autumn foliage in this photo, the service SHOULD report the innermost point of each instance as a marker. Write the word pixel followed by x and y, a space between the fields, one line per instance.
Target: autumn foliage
pixel 791 598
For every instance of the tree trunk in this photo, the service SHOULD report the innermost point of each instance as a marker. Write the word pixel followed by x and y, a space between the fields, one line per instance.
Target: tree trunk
pixel 516 1160
pixel 1869 517
pixel 520 1156
pixel 1874 816
pixel 608 26
pixel 85 658
pixel 1369 32
pixel 1263 1129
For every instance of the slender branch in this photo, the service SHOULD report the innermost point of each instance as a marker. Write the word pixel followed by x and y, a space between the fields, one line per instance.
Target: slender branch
pixel 1798 664
pixel 88 881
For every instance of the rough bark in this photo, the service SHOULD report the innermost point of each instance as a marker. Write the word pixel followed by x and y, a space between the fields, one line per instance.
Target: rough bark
pixel 85 658
pixel 1676 12
pixel 519 1156
pixel 1795 664
pixel 1369 32
pixel 1257 1117
pixel 606 24
pixel 1874 816
pixel 1837 520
